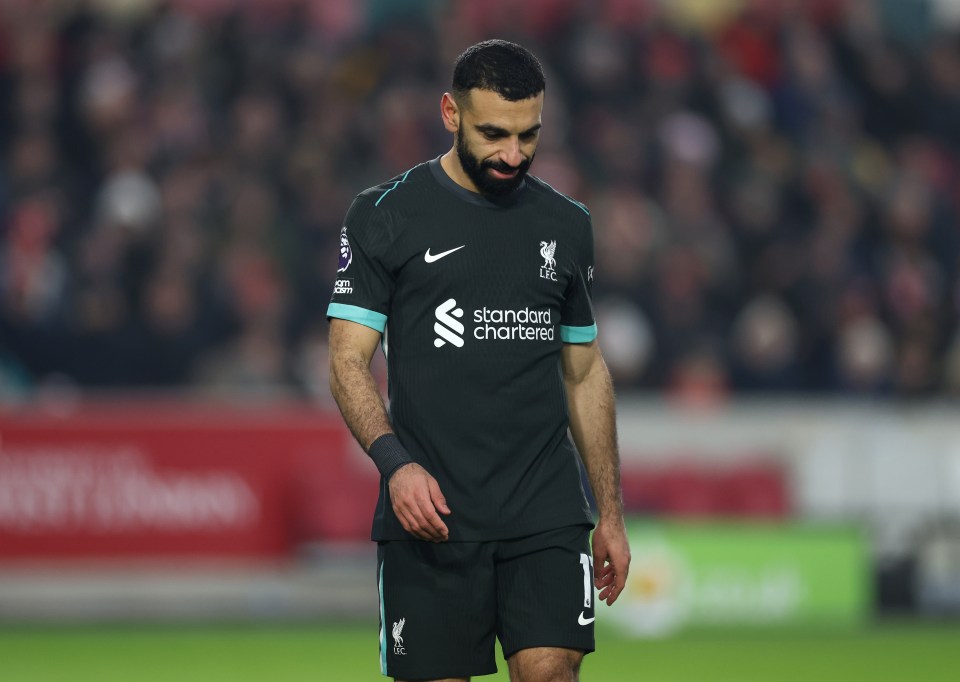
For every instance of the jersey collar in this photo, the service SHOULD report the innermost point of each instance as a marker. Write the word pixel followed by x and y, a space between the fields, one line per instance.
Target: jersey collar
pixel 463 193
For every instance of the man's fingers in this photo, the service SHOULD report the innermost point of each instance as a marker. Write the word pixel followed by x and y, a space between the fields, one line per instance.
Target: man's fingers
pixel 423 521
pixel 431 506
pixel 416 498
pixel 611 560
pixel 611 593
pixel 409 524
pixel 616 578
pixel 606 583
pixel 421 529
pixel 439 501
pixel 609 580
pixel 432 524
pixel 610 584
pixel 605 578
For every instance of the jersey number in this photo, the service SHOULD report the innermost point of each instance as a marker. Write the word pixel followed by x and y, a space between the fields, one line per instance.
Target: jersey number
pixel 586 562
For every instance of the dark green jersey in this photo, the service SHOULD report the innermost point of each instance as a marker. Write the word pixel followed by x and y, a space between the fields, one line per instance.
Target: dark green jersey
pixel 476 299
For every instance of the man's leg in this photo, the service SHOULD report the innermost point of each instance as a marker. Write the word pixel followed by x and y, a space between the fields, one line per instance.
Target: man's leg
pixel 545 664
pixel 437 610
pixel 546 604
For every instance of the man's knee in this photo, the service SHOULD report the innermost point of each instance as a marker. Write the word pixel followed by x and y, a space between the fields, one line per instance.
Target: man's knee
pixel 545 664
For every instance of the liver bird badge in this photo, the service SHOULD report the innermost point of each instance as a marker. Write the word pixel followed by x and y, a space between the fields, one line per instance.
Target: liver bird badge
pixel 397 629
pixel 547 251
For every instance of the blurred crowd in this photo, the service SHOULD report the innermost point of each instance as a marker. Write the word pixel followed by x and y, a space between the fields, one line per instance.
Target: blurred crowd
pixel 774 184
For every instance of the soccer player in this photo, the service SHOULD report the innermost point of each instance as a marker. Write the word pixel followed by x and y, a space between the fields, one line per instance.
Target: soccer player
pixel 475 278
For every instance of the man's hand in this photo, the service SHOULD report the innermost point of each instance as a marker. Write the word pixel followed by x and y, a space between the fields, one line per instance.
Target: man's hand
pixel 611 559
pixel 416 499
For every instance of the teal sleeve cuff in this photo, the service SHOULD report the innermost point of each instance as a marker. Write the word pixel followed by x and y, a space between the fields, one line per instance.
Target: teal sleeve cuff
pixel 367 318
pixel 578 334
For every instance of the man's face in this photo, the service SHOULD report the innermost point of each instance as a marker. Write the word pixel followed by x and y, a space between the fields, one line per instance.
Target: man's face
pixel 497 140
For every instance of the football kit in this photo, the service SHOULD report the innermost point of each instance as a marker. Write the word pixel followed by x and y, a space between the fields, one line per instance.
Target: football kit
pixel 475 297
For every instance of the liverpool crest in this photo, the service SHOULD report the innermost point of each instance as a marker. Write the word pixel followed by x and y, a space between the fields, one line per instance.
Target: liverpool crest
pixel 549 268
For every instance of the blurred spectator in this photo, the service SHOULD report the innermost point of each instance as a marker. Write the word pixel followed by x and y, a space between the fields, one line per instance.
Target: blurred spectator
pixel 627 342
pixel 864 357
pixel 32 272
pixel 765 352
pixel 774 185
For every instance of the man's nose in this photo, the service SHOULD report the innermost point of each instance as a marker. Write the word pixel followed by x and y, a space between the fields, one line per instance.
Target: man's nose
pixel 510 153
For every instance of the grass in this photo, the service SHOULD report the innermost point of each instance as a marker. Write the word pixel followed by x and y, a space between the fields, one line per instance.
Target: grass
pixel 326 653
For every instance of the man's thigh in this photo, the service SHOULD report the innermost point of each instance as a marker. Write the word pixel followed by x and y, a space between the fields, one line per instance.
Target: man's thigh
pixel 545 591
pixel 545 665
pixel 437 609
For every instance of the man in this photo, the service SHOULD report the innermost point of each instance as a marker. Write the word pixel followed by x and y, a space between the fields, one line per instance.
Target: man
pixel 476 278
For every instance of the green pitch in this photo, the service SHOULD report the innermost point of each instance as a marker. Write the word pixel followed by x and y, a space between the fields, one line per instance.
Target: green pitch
pixel 327 653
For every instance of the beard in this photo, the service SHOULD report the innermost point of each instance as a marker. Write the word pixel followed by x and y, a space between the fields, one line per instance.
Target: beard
pixel 479 171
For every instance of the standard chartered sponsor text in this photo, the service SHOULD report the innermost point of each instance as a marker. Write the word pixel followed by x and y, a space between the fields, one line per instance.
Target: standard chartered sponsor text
pixel 525 324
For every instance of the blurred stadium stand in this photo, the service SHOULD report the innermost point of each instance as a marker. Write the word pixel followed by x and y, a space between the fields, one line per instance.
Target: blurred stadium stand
pixel 775 191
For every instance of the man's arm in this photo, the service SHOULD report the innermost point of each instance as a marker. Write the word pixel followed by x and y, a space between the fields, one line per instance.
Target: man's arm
pixel 593 425
pixel 415 494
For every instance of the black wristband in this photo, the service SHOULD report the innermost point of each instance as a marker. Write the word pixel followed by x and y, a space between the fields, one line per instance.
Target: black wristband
pixel 388 454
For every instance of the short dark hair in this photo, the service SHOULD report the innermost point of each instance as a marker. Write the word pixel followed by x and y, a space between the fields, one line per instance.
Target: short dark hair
pixel 508 69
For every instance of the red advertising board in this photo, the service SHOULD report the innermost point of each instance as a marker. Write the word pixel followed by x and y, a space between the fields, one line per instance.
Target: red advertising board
pixel 147 480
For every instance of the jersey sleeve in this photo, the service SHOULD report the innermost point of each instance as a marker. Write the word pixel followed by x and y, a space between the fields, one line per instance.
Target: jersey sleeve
pixel 577 323
pixel 364 284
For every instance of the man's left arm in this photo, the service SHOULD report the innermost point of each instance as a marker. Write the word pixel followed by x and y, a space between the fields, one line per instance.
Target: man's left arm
pixel 593 426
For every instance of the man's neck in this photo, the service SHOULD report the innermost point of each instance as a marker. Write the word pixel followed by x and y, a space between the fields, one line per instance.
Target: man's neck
pixel 451 166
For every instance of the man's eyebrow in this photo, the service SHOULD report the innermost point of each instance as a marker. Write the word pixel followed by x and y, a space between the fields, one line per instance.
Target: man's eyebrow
pixel 490 129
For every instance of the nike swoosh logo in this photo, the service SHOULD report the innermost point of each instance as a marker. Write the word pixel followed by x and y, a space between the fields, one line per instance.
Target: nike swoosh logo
pixel 432 258
pixel 585 621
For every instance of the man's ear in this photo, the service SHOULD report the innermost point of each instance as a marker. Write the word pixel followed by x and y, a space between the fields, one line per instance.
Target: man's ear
pixel 450 112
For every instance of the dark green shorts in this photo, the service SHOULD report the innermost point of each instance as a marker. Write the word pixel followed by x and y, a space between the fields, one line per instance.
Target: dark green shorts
pixel 442 604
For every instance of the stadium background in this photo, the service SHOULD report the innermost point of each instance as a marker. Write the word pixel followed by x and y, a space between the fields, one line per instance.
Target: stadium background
pixel 774 187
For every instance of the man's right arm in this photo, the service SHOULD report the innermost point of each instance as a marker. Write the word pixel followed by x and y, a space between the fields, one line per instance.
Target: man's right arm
pixel 414 493
pixel 352 347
